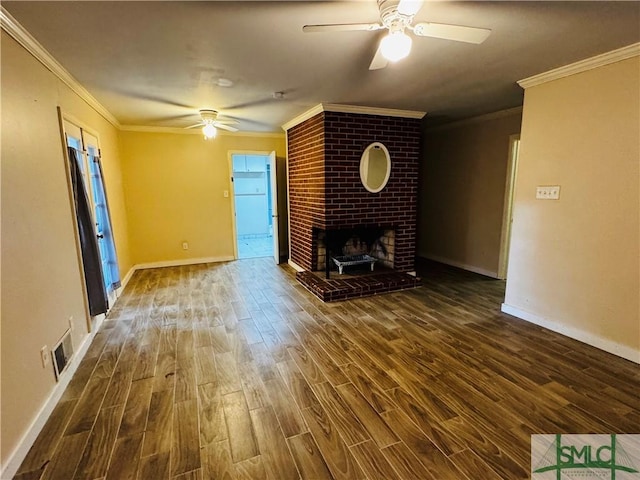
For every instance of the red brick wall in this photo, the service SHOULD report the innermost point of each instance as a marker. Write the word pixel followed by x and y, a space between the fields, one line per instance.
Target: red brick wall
pixel 305 143
pixel 344 203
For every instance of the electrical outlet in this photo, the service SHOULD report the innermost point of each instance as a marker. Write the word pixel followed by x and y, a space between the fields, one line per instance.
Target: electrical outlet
pixel 225 193
pixel 44 356
pixel 548 192
pixel 71 323
pixel 185 246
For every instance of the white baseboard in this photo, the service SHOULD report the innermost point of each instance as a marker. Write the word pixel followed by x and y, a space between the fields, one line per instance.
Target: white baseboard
pixel 125 280
pixel 463 266
pixel 186 261
pixel 168 263
pixel 575 333
pixel 295 266
pixel 16 458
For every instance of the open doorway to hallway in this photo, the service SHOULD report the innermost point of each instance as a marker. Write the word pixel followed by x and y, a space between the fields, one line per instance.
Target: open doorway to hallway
pixel 253 202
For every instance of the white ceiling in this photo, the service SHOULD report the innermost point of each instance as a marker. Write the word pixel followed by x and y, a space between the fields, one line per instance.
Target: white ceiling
pixel 156 63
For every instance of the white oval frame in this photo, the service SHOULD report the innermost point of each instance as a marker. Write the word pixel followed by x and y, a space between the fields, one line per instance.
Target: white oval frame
pixel 364 165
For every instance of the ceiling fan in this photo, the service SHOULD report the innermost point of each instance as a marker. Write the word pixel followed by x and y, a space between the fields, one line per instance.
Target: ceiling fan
pixel 397 16
pixel 210 123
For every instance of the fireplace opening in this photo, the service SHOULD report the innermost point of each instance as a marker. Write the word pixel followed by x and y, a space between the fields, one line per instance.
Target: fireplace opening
pixel 344 249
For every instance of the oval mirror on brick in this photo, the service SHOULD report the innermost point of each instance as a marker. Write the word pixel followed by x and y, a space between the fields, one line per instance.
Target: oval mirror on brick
pixel 375 167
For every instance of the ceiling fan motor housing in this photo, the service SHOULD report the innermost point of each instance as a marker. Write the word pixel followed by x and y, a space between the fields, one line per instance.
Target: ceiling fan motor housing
pixel 208 115
pixel 391 17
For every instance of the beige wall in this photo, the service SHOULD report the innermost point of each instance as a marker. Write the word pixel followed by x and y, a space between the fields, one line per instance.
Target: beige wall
pixel 462 188
pixel 41 279
pixel 574 263
pixel 174 187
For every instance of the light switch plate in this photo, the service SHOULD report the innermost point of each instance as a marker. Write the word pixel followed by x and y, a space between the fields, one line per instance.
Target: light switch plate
pixel 548 192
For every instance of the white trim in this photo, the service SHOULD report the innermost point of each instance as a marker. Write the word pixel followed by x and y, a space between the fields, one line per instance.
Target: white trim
pixel 385 112
pixel 126 279
pixel 589 338
pixel 197 131
pixel 507 208
pixel 187 261
pixel 463 266
pixel 487 117
pixel 286 161
pixel 334 107
pixel 20 34
pixel 312 112
pixel 582 66
pixel 295 266
pixel 18 455
pixel 169 263
pixel 29 43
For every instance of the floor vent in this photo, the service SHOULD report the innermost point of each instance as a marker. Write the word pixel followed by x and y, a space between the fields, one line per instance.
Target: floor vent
pixel 62 353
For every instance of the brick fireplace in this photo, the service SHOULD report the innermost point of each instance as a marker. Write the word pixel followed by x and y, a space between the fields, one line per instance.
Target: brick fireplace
pixel 326 194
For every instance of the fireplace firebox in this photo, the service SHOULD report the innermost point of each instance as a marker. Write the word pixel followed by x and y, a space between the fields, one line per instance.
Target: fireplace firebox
pixel 352 245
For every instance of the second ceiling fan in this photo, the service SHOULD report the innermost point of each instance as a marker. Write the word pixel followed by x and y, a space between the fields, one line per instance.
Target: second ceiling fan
pixel 397 17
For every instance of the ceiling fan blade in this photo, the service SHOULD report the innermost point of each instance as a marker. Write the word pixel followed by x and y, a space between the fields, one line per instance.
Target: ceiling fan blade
pixel 451 32
pixel 378 61
pixel 195 126
pixel 226 121
pixel 344 27
pixel 222 126
pixel 409 7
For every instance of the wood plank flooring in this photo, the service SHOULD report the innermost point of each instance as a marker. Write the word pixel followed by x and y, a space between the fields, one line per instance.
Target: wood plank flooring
pixel 235 371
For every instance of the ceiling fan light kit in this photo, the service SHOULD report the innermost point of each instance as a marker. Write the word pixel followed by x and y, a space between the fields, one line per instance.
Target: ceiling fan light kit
pixel 209 131
pixel 395 46
pixel 208 119
pixel 210 123
pixel 397 16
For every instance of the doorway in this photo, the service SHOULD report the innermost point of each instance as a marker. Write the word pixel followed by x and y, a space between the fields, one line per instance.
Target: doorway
pixel 88 157
pixel 255 204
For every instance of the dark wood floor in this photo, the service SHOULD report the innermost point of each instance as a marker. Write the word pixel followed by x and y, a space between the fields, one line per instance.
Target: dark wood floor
pixel 235 371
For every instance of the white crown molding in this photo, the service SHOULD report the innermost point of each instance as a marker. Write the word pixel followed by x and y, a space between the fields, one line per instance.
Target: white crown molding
pixel 385 112
pixel 29 43
pixel 479 119
pixel 582 66
pixel 196 131
pixel 24 38
pixel 334 107
pixel 312 112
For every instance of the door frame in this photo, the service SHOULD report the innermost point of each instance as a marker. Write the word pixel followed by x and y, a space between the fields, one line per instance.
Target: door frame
pixel 232 193
pixel 507 213
pixel 275 213
pixel 92 322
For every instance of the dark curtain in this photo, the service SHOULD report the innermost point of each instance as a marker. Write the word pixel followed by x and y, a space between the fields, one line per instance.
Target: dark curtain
pixel 88 242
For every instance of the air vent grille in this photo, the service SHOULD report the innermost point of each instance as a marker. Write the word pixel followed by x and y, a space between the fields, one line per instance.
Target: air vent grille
pixel 62 353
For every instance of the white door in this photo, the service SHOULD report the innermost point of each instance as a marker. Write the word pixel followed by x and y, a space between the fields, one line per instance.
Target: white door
pixel 507 218
pixel 273 178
